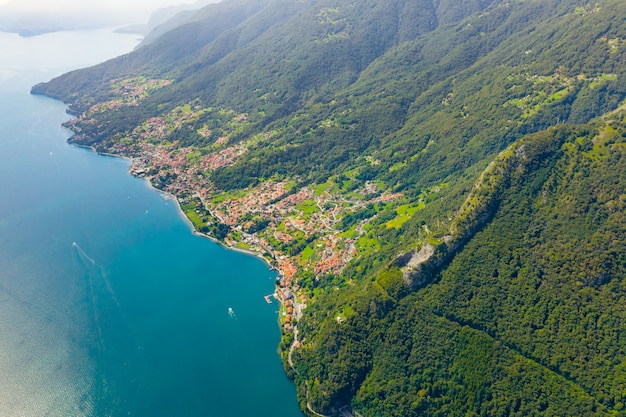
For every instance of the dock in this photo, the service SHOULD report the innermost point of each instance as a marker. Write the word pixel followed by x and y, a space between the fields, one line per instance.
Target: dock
pixel 268 298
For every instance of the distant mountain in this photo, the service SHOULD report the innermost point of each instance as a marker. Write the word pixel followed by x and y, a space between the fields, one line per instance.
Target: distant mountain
pixel 33 23
pixel 167 17
pixel 440 183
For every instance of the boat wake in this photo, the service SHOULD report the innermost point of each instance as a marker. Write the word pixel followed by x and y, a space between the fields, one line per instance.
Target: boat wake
pixel 82 254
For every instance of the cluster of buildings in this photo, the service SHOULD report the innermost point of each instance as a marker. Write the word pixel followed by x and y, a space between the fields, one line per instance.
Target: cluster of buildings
pixel 273 201
pixel 257 201
pixel 222 158
pixel 129 92
pixel 302 222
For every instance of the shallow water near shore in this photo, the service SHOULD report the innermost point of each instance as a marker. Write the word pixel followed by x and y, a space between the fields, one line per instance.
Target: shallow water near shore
pixel 109 304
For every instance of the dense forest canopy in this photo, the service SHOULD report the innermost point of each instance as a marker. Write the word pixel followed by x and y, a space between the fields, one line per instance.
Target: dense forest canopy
pixel 440 182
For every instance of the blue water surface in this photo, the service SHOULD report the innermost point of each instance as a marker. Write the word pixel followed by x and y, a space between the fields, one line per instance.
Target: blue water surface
pixel 109 304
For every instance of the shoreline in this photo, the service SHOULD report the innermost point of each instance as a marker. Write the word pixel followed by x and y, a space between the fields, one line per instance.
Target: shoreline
pixel 298 307
pixel 285 325
pixel 182 214
pixel 285 360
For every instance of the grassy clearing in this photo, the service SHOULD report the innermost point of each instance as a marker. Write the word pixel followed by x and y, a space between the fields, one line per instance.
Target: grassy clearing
pixel 188 207
pixel 405 212
pixel 195 219
pixel 397 166
pixel 307 253
pixel 308 207
pixel 349 234
pixel 321 188
pixel 434 241
pixel 367 244
pixel 602 79
pixel 345 313
pixel 602 143
pixel 193 158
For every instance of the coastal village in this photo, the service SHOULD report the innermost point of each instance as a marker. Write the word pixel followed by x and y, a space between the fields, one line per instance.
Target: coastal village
pixel 300 230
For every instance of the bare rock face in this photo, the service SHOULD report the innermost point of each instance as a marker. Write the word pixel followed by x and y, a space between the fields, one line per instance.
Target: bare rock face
pixel 420 257
pixel 418 268
pixel 414 271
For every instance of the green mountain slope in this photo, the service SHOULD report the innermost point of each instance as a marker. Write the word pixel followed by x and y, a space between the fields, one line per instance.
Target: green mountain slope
pixel 524 319
pixel 440 183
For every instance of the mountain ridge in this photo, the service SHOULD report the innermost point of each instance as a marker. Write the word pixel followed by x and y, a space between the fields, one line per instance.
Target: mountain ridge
pixel 402 164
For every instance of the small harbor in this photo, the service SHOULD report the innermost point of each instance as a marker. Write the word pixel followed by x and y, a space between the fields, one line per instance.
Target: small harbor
pixel 268 298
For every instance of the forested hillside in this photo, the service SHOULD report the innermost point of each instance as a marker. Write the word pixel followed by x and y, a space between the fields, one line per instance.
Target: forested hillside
pixel 524 320
pixel 439 182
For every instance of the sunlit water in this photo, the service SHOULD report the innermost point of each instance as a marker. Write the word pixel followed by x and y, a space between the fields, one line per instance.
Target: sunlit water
pixel 109 305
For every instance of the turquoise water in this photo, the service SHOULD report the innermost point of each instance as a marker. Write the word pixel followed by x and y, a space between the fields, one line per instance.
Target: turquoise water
pixel 109 305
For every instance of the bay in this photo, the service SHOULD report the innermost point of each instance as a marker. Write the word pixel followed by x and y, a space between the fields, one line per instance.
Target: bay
pixel 109 304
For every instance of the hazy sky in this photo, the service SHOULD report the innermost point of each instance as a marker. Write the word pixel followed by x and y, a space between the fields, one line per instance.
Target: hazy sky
pixel 58 4
pixel 136 8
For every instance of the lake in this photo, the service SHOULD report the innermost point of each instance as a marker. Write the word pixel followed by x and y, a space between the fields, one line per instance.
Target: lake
pixel 109 304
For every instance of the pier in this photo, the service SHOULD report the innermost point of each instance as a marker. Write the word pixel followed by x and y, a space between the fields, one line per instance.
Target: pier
pixel 268 298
